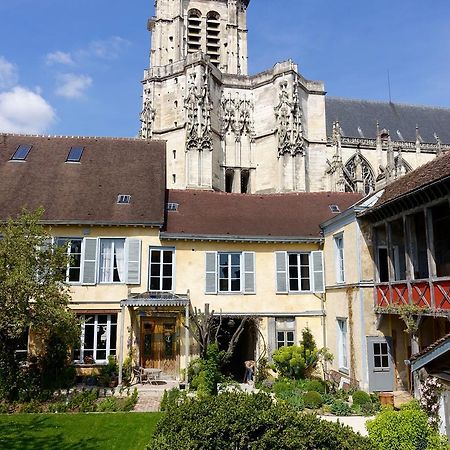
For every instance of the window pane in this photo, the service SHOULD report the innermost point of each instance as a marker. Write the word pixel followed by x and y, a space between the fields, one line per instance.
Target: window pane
pixel 293 272
pixel 113 339
pixel 154 270
pixel 292 259
pixel 304 259
pixel 384 349
pixel 102 319
pixel 102 336
pixel 376 349
pixel 155 256
pixel 154 284
pixel 223 285
pixel 167 257
pixel 235 285
pixel 304 271
pixel 101 355
pixel 306 285
pixel 235 259
pixel 235 272
pixel 223 259
pixel 167 270
pixel 74 275
pixel 385 361
pixel 167 284
pixel 290 337
pixel 88 336
pixel 377 361
pixel 293 284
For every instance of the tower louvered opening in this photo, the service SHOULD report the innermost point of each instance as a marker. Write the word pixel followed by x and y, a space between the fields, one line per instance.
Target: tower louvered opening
pixel 213 37
pixel 194 31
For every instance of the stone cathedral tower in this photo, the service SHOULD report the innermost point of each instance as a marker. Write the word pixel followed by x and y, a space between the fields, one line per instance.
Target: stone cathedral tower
pixel 270 132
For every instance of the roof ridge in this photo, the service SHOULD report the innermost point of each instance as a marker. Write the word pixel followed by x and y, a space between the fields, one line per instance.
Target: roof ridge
pixel 50 136
pixel 383 102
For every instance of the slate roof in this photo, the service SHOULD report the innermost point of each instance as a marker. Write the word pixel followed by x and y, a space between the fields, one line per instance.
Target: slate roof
pixel 84 192
pixel 267 216
pixel 364 114
pixel 431 347
pixel 437 170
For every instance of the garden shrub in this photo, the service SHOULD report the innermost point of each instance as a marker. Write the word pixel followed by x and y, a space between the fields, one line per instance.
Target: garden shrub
pixel 294 399
pixel 313 400
pixel 340 408
pixel 361 398
pixel 205 373
pixel 232 421
pixel 297 361
pixel 407 429
pixel 328 399
pixel 316 385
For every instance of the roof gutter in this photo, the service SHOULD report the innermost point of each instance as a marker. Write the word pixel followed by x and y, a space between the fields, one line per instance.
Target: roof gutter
pixel 237 238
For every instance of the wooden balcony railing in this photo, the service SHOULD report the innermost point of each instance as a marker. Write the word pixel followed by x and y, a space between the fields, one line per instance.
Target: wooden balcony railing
pixel 431 295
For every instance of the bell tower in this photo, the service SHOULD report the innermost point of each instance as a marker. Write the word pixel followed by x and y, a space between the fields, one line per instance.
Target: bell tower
pixel 216 28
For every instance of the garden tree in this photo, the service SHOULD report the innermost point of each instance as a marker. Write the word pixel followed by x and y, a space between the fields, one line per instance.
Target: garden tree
pixel 300 361
pixel 207 328
pixel 33 296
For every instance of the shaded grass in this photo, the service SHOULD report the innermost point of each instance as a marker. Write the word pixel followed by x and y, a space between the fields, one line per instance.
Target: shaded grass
pixel 113 431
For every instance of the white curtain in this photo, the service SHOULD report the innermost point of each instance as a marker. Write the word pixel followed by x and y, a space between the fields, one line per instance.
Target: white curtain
pixel 119 247
pixel 106 261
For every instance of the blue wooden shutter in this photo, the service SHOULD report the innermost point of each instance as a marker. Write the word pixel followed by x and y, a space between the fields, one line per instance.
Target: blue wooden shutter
pixel 249 272
pixel 211 273
pixel 90 261
pixel 281 271
pixel 318 271
pixel 133 253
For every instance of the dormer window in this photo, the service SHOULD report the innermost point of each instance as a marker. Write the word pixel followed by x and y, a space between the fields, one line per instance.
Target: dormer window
pixel 21 153
pixel 75 154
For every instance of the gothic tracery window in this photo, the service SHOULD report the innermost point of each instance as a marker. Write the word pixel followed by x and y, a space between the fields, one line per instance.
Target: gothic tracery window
pixel 354 164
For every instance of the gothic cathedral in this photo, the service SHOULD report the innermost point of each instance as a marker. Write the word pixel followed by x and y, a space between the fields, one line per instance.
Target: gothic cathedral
pixel 271 132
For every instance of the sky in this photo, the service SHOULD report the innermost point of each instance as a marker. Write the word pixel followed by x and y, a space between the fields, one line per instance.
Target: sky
pixel 73 67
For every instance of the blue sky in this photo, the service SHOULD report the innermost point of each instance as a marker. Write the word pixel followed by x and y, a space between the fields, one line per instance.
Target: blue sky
pixel 74 67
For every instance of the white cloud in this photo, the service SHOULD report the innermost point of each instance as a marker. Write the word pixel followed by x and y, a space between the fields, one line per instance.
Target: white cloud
pixel 24 111
pixel 8 74
pixel 59 57
pixel 72 85
pixel 107 49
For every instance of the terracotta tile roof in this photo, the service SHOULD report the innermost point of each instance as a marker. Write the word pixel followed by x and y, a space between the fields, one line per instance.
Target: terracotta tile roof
pixel 434 171
pixel 84 192
pixel 431 347
pixel 292 215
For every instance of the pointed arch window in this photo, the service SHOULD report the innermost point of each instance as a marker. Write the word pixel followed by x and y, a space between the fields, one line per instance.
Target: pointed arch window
pixel 351 173
pixel 213 37
pixel 194 31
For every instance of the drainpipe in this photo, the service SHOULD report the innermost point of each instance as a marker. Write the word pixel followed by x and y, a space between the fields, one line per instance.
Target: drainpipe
pixel 364 367
pixel 122 325
pixel 187 338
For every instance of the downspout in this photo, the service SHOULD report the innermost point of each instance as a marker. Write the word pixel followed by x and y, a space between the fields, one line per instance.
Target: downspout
pixel 122 325
pixel 364 367
pixel 187 338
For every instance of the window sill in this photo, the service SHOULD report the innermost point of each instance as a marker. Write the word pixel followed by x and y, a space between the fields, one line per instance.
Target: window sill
pixel 344 371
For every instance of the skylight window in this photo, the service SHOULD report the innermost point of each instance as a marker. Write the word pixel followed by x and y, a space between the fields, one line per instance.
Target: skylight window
pixel 21 153
pixel 123 199
pixel 172 206
pixel 335 209
pixel 75 154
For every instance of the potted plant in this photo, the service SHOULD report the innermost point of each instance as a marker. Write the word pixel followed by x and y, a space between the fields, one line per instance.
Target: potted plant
pixel 109 373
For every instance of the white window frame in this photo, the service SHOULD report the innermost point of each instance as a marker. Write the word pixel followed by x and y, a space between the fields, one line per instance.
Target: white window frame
pixel 339 258
pixel 285 325
pixel 342 328
pixel 95 348
pixel 161 264
pixel 60 240
pixel 229 279
pixel 111 281
pixel 299 279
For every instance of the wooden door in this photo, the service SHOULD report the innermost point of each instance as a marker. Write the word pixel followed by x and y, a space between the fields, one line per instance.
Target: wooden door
pixel 159 347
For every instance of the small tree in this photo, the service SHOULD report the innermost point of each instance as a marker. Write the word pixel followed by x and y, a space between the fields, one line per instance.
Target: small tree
pixel 33 296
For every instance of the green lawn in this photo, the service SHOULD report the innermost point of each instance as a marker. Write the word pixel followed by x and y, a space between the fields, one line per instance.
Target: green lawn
pixel 112 431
